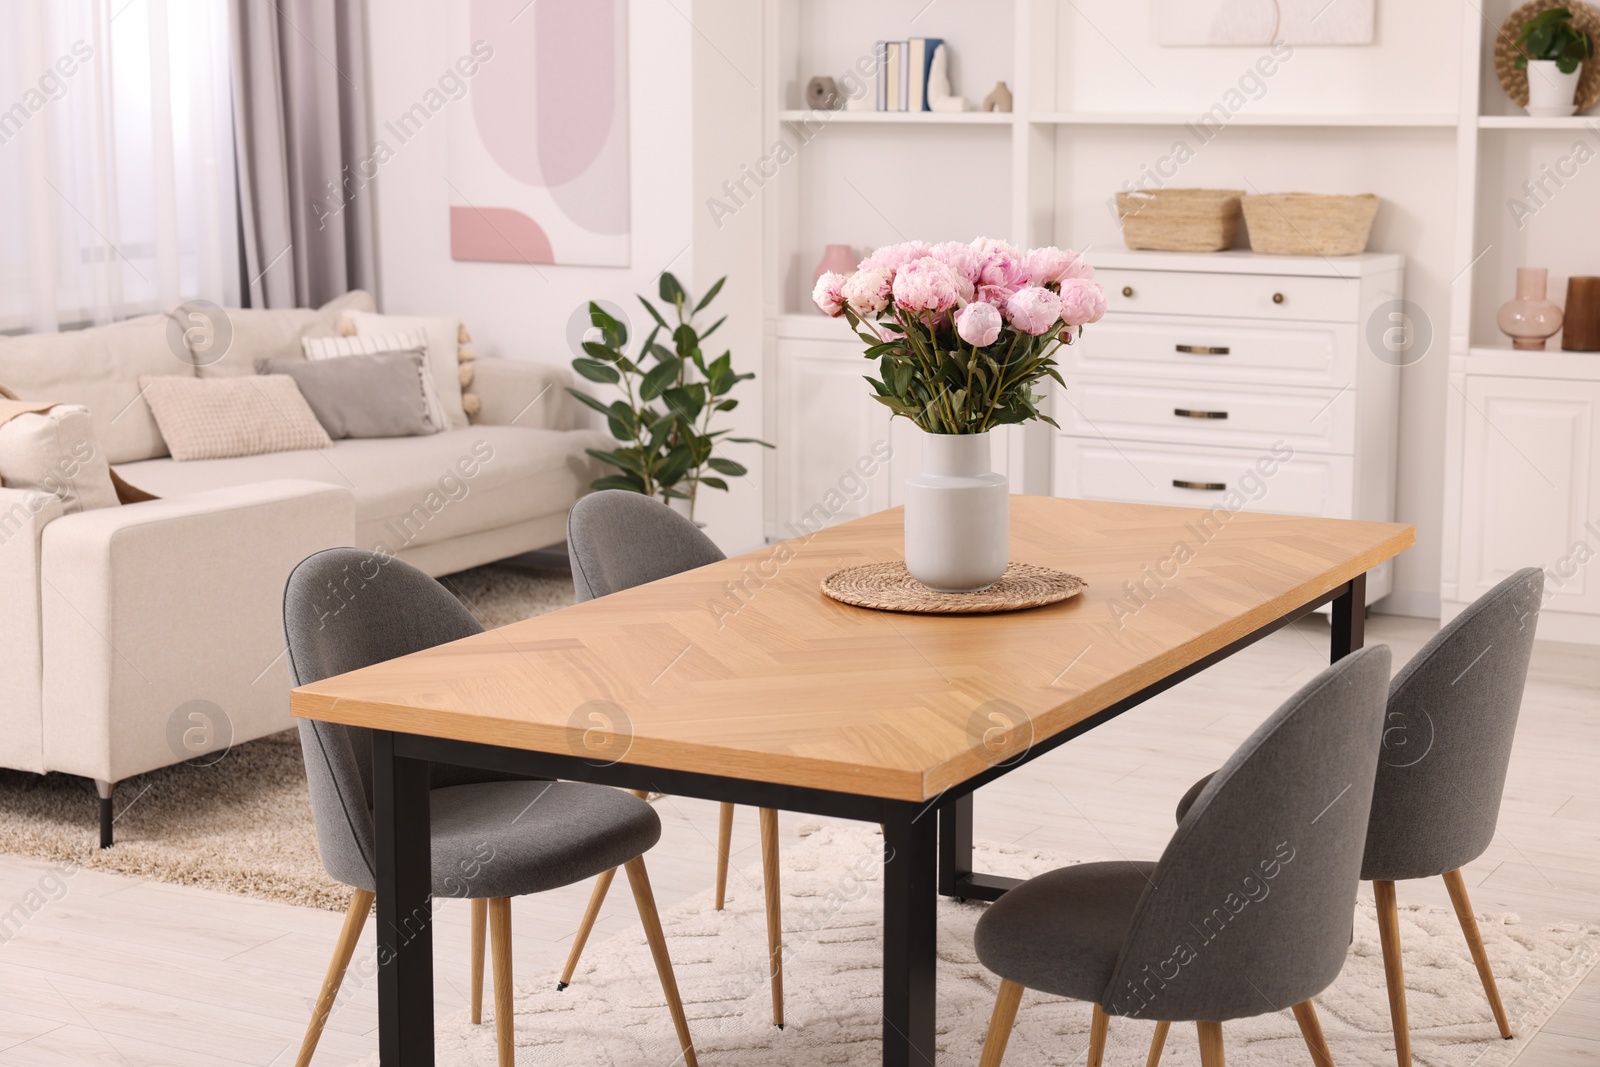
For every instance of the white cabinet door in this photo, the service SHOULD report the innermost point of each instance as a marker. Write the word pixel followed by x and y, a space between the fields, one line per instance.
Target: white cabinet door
pixel 833 438
pixel 1530 492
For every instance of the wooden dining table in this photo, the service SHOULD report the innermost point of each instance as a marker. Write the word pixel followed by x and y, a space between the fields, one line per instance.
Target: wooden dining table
pixel 742 682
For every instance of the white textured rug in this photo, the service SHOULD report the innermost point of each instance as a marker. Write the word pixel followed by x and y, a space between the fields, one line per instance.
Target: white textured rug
pixel 614 1013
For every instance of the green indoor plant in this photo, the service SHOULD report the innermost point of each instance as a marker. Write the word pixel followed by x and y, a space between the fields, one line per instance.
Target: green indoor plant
pixel 663 423
pixel 1551 36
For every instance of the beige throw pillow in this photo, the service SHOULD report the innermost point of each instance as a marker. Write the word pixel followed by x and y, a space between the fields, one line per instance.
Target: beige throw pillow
pixel 55 452
pixel 442 347
pixel 220 417
pixel 416 340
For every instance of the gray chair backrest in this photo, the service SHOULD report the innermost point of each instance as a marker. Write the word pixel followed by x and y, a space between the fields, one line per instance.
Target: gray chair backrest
pixel 344 609
pixel 1251 908
pixel 617 540
pixel 1447 736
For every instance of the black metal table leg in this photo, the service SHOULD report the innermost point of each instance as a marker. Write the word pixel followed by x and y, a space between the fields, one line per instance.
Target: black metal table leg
pixel 405 911
pixel 1349 619
pixel 910 930
pixel 956 876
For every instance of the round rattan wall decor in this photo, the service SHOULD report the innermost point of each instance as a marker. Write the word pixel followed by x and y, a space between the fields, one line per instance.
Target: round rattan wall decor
pixel 890 587
pixel 1515 82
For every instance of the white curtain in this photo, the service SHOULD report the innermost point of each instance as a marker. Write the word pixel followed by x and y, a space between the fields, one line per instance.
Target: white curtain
pixel 117 192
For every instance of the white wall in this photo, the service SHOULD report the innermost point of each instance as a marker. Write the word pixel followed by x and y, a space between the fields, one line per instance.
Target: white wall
pixel 1108 60
pixel 521 312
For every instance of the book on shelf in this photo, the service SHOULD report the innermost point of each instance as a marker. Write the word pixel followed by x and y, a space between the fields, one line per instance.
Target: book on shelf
pixel 880 53
pixel 894 77
pixel 920 50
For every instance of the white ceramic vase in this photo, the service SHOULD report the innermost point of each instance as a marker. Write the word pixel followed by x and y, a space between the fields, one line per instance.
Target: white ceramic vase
pixel 958 515
pixel 1551 94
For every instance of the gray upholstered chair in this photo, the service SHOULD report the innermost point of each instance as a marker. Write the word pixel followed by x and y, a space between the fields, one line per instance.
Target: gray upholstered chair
pixel 1446 745
pixel 1250 908
pixel 617 540
pixel 494 836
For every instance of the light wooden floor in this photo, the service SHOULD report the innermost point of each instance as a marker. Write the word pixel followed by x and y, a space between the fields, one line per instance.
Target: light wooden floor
pixel 134 973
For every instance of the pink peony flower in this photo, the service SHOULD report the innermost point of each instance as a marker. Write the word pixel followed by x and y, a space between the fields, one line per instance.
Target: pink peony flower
pixel 1051 266
pixel 925 284
pixel 867 291
pixel 1034 310
pixel 1000 271
pixel 979 324
pixel 827 295
pixel 894 257
pixel 1082 302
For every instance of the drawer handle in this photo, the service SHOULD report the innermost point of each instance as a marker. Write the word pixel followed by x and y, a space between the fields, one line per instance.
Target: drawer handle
pixel 1277 298
pixel 1203 350
pixel 1179 483
pixel 1190 413
pixel 1127 290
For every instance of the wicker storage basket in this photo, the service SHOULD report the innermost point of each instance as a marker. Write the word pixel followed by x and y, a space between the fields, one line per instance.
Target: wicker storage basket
pixel 1309 224
pixel 1180 220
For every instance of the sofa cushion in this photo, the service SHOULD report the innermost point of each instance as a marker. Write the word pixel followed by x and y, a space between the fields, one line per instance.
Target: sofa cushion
pixel 99 368
pixel 224 418
pixel 443 351
pixel 412 491
pixel 321 349
pixel 55 452
pixel 381 395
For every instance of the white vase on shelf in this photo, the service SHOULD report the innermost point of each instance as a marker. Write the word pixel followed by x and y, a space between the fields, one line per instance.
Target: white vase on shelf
pixel 1551 94
pixel 958 515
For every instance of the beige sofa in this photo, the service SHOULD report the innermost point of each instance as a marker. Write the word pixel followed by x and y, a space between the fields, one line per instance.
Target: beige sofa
pixel 143 635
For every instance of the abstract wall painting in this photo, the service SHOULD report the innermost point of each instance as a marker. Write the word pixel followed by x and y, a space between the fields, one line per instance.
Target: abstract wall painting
pixel 538 169
pixel 1262 22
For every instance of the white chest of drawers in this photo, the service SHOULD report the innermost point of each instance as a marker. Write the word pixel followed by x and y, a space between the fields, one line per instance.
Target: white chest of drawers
pixel 1234 381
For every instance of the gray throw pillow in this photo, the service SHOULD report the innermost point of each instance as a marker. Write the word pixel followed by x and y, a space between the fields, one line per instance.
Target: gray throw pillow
pixel 361 396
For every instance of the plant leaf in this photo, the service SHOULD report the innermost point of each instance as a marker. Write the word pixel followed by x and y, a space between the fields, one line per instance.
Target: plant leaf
pixel 728 467
pixel 711 294
pixel 630 482
pixel 596 371
pixel 671 291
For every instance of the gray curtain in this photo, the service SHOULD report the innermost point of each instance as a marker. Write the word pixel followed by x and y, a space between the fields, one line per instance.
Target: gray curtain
pixel 302 150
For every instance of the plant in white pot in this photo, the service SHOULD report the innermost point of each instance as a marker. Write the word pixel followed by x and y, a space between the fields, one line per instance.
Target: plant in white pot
pixel 962 333
pixel 1553 50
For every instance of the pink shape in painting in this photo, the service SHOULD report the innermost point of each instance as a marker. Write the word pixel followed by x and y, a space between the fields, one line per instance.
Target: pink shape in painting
pixel 497 235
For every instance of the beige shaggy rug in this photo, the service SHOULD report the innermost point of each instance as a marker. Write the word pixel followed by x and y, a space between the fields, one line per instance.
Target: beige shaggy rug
pixel 241 825
pixel 614 1012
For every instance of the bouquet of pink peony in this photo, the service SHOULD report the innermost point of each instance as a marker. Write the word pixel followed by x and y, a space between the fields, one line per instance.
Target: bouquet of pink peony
pixel 963 332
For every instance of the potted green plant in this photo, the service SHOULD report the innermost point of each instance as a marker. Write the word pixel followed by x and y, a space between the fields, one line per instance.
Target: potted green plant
pixel 671 396
pixel 1552 49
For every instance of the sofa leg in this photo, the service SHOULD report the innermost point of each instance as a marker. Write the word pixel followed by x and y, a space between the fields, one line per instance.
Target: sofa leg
pixel 104 789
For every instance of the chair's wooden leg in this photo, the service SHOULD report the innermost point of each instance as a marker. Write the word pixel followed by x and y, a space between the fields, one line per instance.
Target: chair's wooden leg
pixel 480 924
pixel 1305 1013
pixel 1000 1023
pixel 602 885
pixel 343 949
pixel 505 1023
pixel 1158 1041
pixel 1211 1045
pixel 1097 1037
pixel 1393 972
pixel 770 883
pixel 646 902
pixel 1469 926
pixel 724 846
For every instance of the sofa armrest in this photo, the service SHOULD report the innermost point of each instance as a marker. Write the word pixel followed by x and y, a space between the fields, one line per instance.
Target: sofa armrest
pixel 152 607
pixel 24 514
pixel 516 392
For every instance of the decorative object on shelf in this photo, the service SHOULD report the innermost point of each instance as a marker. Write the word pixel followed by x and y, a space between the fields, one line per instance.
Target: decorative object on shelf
pixel 822 94
pixel 1531 318
pixel 962 333
pixel 940 98
pixel 890 587
pixel 1510 58
pixel 663 453
pixel 1180 220
pixel 1266 22
pixel 904 68
pixel 1553 51
pixel 1309 224
pixel 999 99
pixel 1581 323
pixel 838 258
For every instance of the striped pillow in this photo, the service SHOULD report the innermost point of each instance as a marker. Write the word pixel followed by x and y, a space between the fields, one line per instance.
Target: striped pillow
pixel 416 340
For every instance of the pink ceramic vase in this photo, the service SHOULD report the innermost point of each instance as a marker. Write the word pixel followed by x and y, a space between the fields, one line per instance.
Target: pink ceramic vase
pixel 1531 318
pixel 840 258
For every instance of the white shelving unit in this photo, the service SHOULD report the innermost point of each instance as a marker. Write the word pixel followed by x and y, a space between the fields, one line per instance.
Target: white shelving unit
pixel 1522 436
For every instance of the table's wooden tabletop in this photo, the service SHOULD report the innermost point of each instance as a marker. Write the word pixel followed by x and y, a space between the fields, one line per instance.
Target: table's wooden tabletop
pixel 745 669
